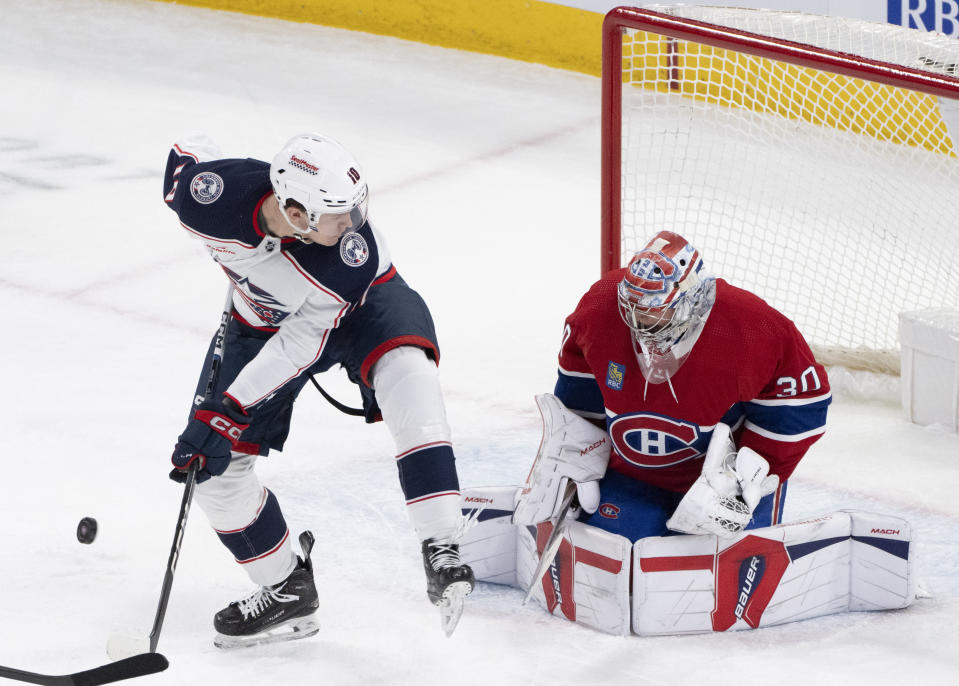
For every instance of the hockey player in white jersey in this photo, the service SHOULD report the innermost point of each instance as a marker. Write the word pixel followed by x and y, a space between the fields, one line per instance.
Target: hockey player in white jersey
pixel 313 286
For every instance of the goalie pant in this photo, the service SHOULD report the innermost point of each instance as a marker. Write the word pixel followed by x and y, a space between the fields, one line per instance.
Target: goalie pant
pixel 839 562
pixel 381 345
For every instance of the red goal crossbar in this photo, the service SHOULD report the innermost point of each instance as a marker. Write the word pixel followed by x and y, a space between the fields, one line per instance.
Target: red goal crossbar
pixel 621 18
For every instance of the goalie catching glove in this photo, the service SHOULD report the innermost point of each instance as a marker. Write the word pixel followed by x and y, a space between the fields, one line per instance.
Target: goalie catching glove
pixel 572 450
pixel 723 498
pixel 213 431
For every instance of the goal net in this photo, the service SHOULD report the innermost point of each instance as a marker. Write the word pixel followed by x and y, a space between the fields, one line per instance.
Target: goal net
pixel 808 157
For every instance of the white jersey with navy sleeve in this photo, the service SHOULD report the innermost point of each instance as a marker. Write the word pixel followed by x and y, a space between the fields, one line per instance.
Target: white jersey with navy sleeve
pixel 297 291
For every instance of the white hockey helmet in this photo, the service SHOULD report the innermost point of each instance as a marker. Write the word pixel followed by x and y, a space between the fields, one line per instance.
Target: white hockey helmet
pixel 319 174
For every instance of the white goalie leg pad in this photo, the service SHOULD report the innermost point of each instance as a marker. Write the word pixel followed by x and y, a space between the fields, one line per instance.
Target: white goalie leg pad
pixel 882 574
pixel 844 561
pixel 572 449
pixel 408 392
pixel 489 544
pixel 588 581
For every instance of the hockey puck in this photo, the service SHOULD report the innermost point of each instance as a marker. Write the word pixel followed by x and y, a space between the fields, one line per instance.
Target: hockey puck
pixel 87 530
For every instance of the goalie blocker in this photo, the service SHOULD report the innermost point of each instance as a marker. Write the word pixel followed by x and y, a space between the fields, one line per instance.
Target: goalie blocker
pixel 840 562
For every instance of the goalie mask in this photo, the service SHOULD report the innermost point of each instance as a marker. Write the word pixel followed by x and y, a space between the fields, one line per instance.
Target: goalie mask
pixel 664 297
pixel 320 175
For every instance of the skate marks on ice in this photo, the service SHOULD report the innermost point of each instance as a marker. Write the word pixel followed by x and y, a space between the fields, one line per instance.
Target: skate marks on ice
pixel 29 164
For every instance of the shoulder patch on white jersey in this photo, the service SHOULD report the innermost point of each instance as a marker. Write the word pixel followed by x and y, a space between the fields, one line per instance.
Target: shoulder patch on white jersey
pixel 354 249
pixel 206 187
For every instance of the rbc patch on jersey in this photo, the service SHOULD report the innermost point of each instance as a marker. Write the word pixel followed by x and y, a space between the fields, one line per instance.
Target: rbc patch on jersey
pixel 614 375
pixel 206 187
pixel 354 250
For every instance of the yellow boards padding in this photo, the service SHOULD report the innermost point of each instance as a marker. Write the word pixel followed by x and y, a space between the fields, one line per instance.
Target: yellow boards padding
pixel 554 35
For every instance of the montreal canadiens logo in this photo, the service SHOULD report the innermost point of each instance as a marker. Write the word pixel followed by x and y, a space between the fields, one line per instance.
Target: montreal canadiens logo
pixel 654 441
pixel 609 511
pixel 206 187
pixel 354 250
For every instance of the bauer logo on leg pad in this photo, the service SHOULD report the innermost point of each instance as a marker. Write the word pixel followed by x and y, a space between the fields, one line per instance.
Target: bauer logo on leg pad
pixel 587 583
pixel 769 576
pixel 747 576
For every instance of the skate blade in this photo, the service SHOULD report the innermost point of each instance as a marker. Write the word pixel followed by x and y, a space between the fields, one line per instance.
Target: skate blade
pixel 291 630
pixel 451 605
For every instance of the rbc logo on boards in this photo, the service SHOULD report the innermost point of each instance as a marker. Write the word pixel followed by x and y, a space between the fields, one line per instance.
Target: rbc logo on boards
pixel 941 16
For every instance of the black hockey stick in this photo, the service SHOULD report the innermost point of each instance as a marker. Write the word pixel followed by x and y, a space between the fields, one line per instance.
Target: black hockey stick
pixel 121 645
pixel 134 657
pixel 132 667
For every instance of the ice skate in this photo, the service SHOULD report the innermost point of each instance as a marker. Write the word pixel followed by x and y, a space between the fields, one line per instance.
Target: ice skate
pixel 448 582
pixel 283 612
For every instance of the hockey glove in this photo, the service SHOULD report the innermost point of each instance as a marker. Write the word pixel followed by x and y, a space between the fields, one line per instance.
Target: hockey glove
pixel 723 498
pixel 212 433
pixel 572 450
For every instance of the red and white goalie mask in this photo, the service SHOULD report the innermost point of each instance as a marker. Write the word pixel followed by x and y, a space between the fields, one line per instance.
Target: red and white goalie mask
pixel 666 294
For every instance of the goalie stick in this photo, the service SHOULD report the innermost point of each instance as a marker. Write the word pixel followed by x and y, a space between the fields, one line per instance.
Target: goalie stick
pixel 553 542
pixel 121 645
pixel 130 668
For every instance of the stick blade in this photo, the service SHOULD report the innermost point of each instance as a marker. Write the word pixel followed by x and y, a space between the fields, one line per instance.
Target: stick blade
pixel 123 646
pixel 128 668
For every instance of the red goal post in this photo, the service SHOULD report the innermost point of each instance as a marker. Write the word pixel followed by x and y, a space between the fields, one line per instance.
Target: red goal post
pixel 710 93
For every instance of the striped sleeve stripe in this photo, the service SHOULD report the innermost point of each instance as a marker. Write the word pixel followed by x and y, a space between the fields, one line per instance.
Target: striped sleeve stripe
pixel 791 401
pixel 184 153
pixel 422 447
pixel 214 239
pixel 585 375
pixel 785 438
pixel 433 495
pixel 263 496
pixel 268 552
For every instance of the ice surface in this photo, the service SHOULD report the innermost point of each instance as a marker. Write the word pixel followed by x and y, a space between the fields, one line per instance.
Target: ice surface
pixel 485 179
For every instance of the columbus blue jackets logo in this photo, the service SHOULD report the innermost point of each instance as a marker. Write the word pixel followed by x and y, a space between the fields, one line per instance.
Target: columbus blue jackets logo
pixel 651 440
pixel 270 310
pixel 615 373
pixel 206 187
pixel 354 250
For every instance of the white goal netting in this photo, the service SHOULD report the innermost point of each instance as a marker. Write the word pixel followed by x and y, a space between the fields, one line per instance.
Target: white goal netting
pixel 833 197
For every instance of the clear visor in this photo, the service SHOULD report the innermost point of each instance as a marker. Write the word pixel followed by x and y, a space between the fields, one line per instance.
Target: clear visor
pixel 328 221
pixel 658 328
pixel 653 322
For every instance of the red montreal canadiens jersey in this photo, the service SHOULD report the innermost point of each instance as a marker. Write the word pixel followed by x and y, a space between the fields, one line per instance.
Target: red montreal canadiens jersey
pixel 750 368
